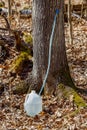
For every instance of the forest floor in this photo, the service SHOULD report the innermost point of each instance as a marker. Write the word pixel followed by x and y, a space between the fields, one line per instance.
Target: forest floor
pixel 56 114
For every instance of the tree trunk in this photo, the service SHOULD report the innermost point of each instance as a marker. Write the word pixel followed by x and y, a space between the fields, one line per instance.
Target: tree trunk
pixel 43 15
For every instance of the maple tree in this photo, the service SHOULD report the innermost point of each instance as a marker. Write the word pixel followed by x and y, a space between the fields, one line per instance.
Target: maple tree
pixel 42 18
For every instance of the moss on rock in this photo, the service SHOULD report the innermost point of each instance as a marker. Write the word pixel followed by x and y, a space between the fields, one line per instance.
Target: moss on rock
pixel 2 4
pixel 28 38
pixel 17 65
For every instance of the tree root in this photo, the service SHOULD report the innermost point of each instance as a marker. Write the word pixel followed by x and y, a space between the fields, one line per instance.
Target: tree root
pixel 70 93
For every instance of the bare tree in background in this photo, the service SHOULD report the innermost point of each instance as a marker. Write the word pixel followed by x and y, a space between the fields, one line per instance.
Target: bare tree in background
pixel 9 11
pixel 70 22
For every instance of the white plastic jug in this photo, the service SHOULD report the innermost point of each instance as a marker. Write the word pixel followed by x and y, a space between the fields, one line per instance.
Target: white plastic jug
pixel 33 104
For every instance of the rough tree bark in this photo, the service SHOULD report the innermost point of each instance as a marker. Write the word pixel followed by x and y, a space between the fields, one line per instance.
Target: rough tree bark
pixel 43 15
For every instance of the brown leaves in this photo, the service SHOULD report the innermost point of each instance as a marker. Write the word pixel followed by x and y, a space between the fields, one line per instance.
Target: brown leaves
pixel 57 113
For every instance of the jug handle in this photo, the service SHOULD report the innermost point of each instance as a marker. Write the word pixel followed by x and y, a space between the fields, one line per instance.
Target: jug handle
pixel 26 98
